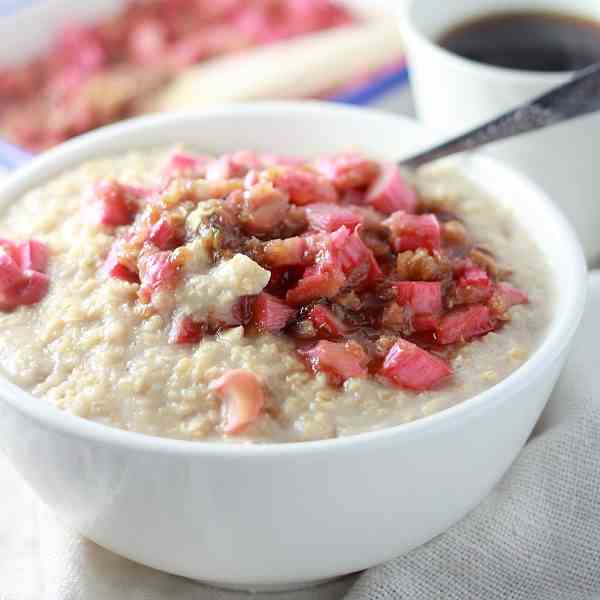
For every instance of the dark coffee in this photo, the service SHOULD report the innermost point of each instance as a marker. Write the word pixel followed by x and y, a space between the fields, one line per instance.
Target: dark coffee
pixel 534 41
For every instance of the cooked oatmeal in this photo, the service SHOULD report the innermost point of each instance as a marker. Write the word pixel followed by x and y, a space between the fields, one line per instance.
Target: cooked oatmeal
pixel 263 298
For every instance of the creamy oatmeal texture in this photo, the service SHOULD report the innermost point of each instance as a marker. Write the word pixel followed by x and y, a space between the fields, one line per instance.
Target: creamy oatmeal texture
pixel 91 348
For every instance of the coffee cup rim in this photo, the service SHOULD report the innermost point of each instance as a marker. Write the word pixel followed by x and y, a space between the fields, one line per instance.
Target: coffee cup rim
pixel 409 27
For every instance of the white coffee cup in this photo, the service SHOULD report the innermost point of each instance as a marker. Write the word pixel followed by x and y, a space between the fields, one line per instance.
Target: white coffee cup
pixel 453 94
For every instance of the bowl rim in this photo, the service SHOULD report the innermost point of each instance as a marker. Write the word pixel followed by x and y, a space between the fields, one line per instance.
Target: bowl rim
pixel 557 337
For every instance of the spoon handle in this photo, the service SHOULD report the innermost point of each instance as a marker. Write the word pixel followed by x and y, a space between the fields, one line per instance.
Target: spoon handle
pixel 577 97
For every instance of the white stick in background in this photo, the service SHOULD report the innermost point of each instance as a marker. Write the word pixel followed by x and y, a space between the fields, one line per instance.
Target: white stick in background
pixel 302 67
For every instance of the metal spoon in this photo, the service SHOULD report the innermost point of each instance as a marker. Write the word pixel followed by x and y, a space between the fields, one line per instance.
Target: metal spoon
pixel 577 97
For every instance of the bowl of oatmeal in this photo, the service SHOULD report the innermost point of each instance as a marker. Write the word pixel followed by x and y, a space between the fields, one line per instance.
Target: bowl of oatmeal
pixel 70 67
pixel 223 330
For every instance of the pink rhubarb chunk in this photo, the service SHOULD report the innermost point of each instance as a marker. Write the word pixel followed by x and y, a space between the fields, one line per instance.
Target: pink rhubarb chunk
pixel 114 268
pixel 305 187
pixel 410 232
pixel 474 286
pixel 243 398
pixel 284 253
pixel 114 204
pixel 164 235
pixel 11 274
pixel 329 217
pixel 33 255
pixel 343 360
pixel 270 313
pixel 186 331
pixel 348 170
pixel 326 322
pixel 390 192
pixel 156 271
pixel 424 297
pixel 409 366
pixel 463 324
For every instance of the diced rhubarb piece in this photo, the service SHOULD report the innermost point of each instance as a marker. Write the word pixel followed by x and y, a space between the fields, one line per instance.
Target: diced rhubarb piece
pixel 357 261
pixel 319 281
pixel 410 232
pixel 326 322
pixel 424 298
pixel 114 204
pixel 116 269
pixel 270 313
pixel 33 256
pixel 284 253
pixel 10 248
pixel 329 217
pixel 390 192
pixel 11 274
pixel 305 187
pixel 186 331
pixel 342 360
pixel 474 286
pixel 406 365
pixel 511 295
pixel 156 271
pixel 148 42
pixel 164 235
pixel 231 166
pixel 463 324
pixel 348 170
pixel 264 208
pixel 354 197
pixel 243 398
pixel 422 323
pixel 187 164
pixel 34 289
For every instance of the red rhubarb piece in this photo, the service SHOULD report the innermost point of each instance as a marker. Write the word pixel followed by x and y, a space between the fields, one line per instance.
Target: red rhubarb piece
pixel 114 205
pixel 349 170
pixel 243 398
pixel 156 271
pixel 329 217
pixel 390 192
pixel 423 297
pixel 186 331
pixel 264 208
pixel 319 281
pixel 270 313
pixel 33 256
pixel 164 235
pixel 474 286
pixel 463 324
pixel 410 232
pixel 11 274
pixel 305 187
pixel 115 268
pixel 326 322
pixel 342 360
pixel 406 365
pixel 284 253
pixel 33 290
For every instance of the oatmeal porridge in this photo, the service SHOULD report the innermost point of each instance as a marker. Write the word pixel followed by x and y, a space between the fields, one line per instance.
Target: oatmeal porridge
pixel 263 298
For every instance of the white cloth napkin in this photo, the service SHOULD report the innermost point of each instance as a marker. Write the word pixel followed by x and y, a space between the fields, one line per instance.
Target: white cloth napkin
pixel 537 536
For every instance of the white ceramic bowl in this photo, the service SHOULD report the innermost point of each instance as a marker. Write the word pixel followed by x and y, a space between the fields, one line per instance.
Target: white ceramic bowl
pixel 278 515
